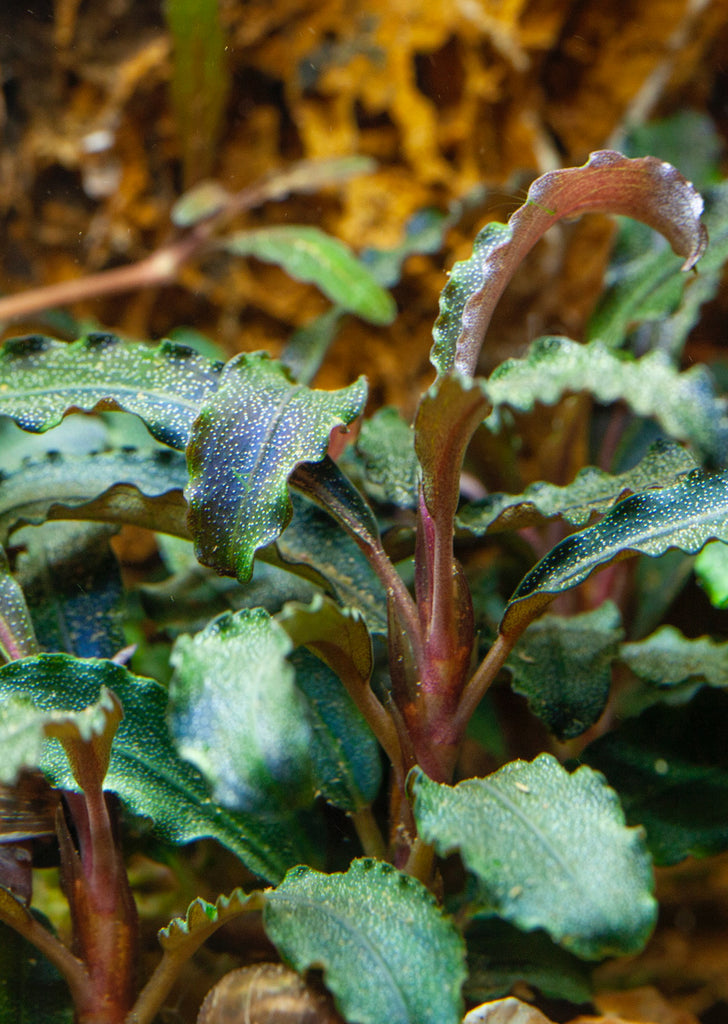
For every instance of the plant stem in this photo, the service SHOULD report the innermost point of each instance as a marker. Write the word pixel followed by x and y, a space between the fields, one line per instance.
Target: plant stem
pixel 421 862
pixel 483 677
pixel 370 835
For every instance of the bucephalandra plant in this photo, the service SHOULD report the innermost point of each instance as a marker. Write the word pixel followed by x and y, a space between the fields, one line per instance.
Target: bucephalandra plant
pixel 350 668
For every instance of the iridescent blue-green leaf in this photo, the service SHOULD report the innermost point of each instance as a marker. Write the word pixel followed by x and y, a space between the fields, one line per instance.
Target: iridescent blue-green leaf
pixel 592 492
pixel 685 516
pixel 245 444
pixel 387 951
pixel 145 769
pixel 143 488
pixel 563 666
pixel 17 633
pixel 549 850
pixel 41 380
pixel 685 404
pixel 646 189
pixel 236 714
pixel 310 255
pixel 670 768
pixel 72 583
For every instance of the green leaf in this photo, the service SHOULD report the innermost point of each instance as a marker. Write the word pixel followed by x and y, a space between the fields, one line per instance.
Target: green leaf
pixel 648 289
pixel 72 583
pixel 646 189
pixel 200 80
pixel 387 450
pixel 32 991
pixel 17 634
pixel 183 935
pixel 245 444
pixel 345 753
pixel 306 348
pixel 592 492
pixel 119 486
pixel 21 737
pixel 670 768
pixel 237 715
pixel 500 956
pixel 386 950
pixel 711 570
pixel 685 516
pixel 313 540
pixel 310 255
pixel 41 380
pixel 563 666
pixel 667 658
pixel 683 404
pixel 549 850
pixel 145 769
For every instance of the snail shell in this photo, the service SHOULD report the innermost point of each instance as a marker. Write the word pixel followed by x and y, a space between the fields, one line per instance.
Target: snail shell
pixel 267 994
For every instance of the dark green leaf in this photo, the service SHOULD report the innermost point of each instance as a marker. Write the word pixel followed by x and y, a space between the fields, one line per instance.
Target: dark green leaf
pixel 386 446
pixel 646 189
pixel 386 950
pixel 72 583
pixel 31 990
pixel 670 768
pixel 121 486
pixel 563 666
pixel 549 850
pixel 246 442
pixel 314 540
pixel 500 956
pixel 237 715
pixel 685 516
pixel 683 404
pixel 145 769
pixel 310 255
pixel 41 380
pixel 591 492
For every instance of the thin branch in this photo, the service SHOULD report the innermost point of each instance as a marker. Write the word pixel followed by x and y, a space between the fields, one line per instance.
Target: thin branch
pixel 72 969
pixel 370 835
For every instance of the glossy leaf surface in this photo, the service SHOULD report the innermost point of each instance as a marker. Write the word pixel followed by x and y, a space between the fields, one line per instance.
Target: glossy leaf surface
pixel 17 633
pixel 122 486
pixel 645 189
pixel 670 768
pixel 310 255
pixel 563 667
pixel 549 850
pixel 592 492
pixel 685 516
pixel 245 444
pixel 387 951
pixel 145 769
pixel 43 379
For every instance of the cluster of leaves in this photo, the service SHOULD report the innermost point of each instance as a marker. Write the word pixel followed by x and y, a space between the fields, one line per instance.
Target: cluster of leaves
pixel 348 661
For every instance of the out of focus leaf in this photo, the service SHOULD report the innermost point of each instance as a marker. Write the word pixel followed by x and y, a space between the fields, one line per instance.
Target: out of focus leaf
pixel 310 255
pixel 670 768
pixel 711 570
pixel 17 633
